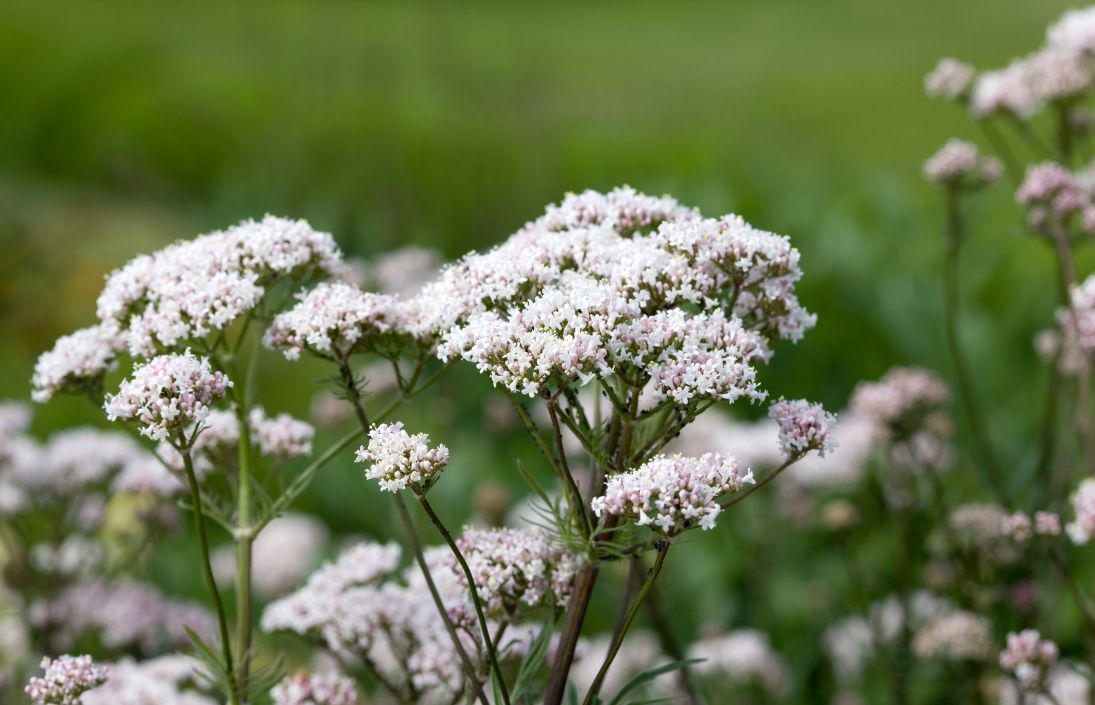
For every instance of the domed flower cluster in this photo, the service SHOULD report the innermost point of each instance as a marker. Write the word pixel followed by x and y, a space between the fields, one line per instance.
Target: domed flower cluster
pixel 359 608
pixel 400 460
pixel 516 567
pixel 331 321
pixel 620 283
pixel 803 427
pixel 191 289
pixel 66 678
pixel 672 493
pixel 315 689
pixel 1082 528
pixel 76 363
pixel 959 165
pixel 167 393
pixel 1028 657
pixel 1052 196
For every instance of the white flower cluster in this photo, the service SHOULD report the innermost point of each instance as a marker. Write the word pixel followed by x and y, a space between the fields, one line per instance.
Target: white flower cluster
pixel 1020 527
pixel 959 164
pixel 331 321
pixel 744 657
pixel 803 426
pixel 357 607
pixel 400 460
pixel 312 608
pixel 75 556
pixel 280 436
pixel 77 362
pixel 619 283
pixel 167 393
pixel 65 679
pixel 167 680
pixel 949 80
pixel 74 466
pixel 1052 195
pixel 1082 528
pixel 1061 70
pixel 955 636
pixel 315 689
pixel 1028 657
pixel 197 287
pixel 904 394
pixel 673 493
pixel 514 568
pixel 283 554
pixel 122 615
pixel 1077 327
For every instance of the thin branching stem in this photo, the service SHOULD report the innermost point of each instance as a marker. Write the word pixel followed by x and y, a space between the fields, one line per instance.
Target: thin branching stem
pixel 207 568
pixel 971 406
pixel 618 637
pixel 416 548
pixel 492 656
pixel 735 498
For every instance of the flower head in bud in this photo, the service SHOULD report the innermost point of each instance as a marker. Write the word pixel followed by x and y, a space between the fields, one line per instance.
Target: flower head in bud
pixel 803 427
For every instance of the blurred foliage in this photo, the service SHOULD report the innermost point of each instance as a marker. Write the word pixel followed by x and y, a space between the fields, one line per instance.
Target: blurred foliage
pixel 448 125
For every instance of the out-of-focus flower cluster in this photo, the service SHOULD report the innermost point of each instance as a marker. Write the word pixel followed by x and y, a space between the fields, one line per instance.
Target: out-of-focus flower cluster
pixel 315 689
pixel 958 164
pixel 1028 657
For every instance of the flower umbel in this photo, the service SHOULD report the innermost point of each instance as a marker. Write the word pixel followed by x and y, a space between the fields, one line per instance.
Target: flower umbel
pixel 803 427
pixel 400 460
pixel 673 493
pixel 66 678
pixel 167 393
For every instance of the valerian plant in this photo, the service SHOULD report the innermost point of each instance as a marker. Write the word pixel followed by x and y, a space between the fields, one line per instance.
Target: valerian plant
pixel 618 328
pixel 612 322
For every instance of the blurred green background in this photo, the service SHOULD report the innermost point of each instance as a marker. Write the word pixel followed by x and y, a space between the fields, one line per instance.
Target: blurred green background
pixel 126 126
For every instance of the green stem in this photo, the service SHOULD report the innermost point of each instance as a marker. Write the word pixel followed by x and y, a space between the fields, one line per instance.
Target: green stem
pixel 618 638
pixel 416 547
pixel 244 538
pixel 492 656
pixel 972 408
pixel 207 569
pixel 735 498
pixel 579 506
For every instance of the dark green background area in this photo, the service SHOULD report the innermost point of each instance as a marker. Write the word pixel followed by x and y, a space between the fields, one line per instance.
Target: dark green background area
pixel 126 126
